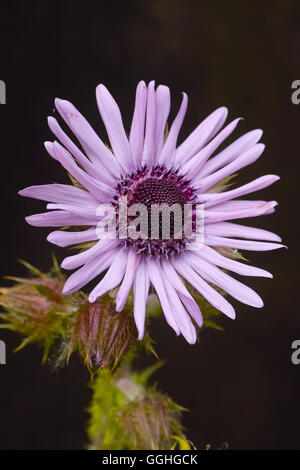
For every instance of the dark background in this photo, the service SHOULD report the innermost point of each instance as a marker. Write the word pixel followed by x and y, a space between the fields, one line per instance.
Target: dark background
pixel 240 384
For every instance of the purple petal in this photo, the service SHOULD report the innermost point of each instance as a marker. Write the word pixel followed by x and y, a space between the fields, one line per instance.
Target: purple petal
pixel 213 297
pixel 184 295
pixel 242 244
pixel 89 167
pixel 201 135
pixel 62 238
pixel 73 262
pixel 60 193
pixel 136 138
pixel 101 191
pixel 83 211
pixel 98 153
pixel 212 256
pixel 235 288
pixel 171 141
pixel 58 219
pixel 263 208
pixel 89 271
pixel 149 142
pixel 50 149
pixel 112 278
pixel 211 199
pixel 228 229
pixel 155 275
pixel 112 119
pixel 180 315
pixel 131 267
pixel 239 204
pixel 140 291
pixel 247 158
pixel 231 152
pixel 194 164
pixel 163 104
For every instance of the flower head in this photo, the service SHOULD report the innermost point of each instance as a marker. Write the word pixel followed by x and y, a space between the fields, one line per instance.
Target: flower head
pixel 150 169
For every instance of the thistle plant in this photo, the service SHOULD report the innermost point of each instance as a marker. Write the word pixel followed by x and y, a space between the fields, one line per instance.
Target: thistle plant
pixel 125 412
pixel 152 222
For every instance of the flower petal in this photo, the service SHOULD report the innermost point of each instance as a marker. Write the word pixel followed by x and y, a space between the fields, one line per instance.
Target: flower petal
pixel 98 153
pixel 58 219
pixel 141 286
pixel 149 142
pixel 83 211
pixel 180 315
pixel 73 262
pixel 62 238
pixel 194 165
pixel 206 130
pixel 112 278
pixel 212 256
pixel 263 208
pixel 136 138
pixel 89 271
pixel 239 205
pixel 231 152
pixel 131 267
pixel 112 119
pixel 184 295
pixel 247 158
pixel 214 298
pixel 228 229
pixel 242 244
pixel 89 167
pixel 59 193
pixel 154 272
pixel 100 190
pixel 211 199
pixel 169 147
pixel 163 104
pixel 235 288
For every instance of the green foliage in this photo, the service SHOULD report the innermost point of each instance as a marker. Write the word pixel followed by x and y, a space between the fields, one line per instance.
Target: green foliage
pixel 105 408
pixel 222 185
pixel 36 309
pixel 182 444
pixel 210 314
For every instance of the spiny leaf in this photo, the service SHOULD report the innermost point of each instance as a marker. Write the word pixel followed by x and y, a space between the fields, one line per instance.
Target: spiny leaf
pixel 144 376
pixel 184 444
pixel 31 268
pixel 212 324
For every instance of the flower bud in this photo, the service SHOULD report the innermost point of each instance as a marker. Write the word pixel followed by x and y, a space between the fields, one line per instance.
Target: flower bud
pixel 151 421
pixel 127 413
pixel 36 308
pixel 102 335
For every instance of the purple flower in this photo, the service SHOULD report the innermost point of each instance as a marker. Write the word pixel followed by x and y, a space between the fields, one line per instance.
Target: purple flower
pixel 149 167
